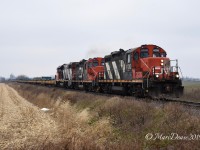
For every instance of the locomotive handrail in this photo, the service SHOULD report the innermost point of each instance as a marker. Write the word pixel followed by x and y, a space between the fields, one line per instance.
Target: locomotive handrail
pixel 180 71
pixel 94 72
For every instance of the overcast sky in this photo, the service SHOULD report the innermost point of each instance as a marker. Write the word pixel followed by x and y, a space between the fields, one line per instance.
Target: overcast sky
pixel 36 36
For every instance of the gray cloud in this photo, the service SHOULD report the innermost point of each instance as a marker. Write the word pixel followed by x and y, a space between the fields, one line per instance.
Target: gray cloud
pixel 37 36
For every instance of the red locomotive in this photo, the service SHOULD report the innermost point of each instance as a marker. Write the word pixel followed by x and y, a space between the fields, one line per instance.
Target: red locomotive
pixel 94 69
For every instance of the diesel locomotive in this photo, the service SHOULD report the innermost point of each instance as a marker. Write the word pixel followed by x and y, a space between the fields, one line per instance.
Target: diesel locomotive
pixel 144 71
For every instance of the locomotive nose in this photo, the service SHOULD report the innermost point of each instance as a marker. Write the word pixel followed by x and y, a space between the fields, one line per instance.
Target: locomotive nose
pixel 149 63
pixel 155 62
pixel 155 66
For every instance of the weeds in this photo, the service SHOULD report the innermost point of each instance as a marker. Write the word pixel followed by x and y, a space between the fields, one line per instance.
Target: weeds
pixel 88 121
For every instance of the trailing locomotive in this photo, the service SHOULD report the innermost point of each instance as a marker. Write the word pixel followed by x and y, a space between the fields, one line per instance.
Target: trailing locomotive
pixel 142 71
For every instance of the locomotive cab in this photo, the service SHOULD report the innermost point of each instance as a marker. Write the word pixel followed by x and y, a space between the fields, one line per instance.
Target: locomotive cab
pixel 151 64
pixel 150 61
pixel 94 69
pixel 60 75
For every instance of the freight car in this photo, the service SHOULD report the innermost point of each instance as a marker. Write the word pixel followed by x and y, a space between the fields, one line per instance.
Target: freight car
pixel 144 71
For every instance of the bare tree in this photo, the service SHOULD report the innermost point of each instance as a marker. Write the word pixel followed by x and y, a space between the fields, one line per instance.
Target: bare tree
pixel 12 77
pixel 22 77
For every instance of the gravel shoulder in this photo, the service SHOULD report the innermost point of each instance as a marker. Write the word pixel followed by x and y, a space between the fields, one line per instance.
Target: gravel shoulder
pixel 21 123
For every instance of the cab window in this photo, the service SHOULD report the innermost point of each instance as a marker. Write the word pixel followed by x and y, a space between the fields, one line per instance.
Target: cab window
pixel 129 58
pixel 144 53
pixel 95 63
pixel 102 63
pixel 89 65
pixel 163 54
pixel 136 56
pixel 156 53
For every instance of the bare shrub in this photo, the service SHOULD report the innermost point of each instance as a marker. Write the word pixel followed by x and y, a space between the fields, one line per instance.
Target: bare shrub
pixel 89 121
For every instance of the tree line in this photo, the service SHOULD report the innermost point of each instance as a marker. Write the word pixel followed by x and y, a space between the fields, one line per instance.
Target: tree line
pixel 13 77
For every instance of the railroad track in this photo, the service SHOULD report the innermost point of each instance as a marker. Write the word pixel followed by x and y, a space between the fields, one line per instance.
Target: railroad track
pixel 162 100
pixel 183 102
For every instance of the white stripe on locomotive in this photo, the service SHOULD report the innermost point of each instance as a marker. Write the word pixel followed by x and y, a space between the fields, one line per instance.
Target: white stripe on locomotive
pixel 109 71
pixel 122 65
pixel 70 74
pixel 116 70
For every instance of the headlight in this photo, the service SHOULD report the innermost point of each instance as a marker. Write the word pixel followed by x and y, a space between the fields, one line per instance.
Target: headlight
pixel 162 60
pixel 162 64
pixel 177 76
pixel 157 76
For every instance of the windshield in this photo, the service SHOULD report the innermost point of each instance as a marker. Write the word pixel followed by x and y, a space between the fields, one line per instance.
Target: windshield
pixel 95 63
pixel 89 65
pixel 156 53
pixel 163 54
pixel 144 53
pixel 102 62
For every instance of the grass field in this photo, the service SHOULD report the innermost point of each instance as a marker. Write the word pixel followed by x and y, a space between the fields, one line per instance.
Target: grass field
pixel 192 90
pixel 89 121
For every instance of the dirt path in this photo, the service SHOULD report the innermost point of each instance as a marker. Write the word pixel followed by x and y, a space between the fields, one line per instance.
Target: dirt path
pixel 22 124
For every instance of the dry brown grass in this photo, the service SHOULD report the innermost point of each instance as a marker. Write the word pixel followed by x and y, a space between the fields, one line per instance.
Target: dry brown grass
pixel 192 94
pixel 63 127
pixel 192 91
pixel 22 125
pixel 88 121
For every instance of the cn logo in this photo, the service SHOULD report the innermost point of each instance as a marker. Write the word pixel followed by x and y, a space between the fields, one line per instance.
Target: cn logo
pixel 128 66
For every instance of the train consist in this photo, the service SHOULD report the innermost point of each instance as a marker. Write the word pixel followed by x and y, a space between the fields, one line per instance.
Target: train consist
pixel 144 71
